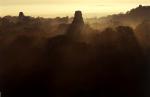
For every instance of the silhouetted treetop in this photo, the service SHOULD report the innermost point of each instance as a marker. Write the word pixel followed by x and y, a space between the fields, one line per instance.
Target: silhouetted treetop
pixel 143 33
pixel 130 18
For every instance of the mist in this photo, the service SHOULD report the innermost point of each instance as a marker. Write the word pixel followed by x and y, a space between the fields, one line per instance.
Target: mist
pixel 75 56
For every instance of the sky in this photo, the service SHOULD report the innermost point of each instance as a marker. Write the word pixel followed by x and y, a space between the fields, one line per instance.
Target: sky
pixel 54 8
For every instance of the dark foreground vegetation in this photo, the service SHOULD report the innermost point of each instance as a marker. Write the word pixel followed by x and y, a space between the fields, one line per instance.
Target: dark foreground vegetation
pixel 55 58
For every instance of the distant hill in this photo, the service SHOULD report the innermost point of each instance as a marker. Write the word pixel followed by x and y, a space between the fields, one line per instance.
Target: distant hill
pixel 133 17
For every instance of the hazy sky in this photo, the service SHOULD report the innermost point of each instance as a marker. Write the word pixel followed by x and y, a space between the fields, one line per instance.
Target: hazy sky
pixel 53 8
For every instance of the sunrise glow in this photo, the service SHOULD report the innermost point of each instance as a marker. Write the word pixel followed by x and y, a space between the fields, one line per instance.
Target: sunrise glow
pixel 53 8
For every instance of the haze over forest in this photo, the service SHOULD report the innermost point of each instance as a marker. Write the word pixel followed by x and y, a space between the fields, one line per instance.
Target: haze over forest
pixel 74 56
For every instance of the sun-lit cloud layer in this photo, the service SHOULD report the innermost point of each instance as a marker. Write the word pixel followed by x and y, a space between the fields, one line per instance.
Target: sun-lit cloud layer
pixel 53 8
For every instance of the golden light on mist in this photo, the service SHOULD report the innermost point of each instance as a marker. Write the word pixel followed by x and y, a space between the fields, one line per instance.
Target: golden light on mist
pixel 54 8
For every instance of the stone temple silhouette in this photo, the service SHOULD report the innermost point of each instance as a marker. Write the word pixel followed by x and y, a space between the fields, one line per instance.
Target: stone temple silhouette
pixel 21 15
pixel 78 19
pixel 76 26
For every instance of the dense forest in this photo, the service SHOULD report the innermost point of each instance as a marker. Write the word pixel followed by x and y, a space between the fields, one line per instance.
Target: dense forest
pixel 68 57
